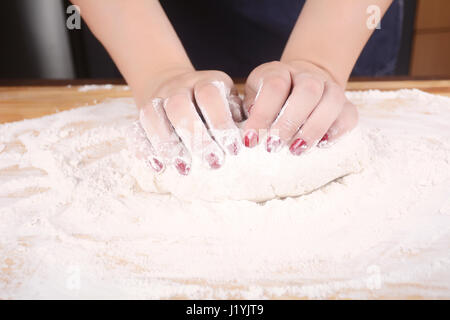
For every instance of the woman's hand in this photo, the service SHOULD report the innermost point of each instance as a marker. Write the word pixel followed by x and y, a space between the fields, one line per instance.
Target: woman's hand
pixel 187 113
pixel 167 89
pixel 298 103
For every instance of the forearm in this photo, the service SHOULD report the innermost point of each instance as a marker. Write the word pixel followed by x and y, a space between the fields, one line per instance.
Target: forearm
pixel 331 34
pixel 138 36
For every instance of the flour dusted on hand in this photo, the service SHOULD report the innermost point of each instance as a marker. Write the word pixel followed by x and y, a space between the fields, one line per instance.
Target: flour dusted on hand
pixel 257 175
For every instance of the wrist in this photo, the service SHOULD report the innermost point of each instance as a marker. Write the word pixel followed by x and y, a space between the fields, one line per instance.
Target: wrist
pixel 150 81
pixel 318 67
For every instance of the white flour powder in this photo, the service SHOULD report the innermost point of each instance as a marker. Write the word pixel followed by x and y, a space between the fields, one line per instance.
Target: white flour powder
pixel 74 221
pixel 96 87
pixel 257 175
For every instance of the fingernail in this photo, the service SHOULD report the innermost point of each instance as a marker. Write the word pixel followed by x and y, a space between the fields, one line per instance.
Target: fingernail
pixel 233 148
pixel 182 167
pixel 213 160
pixel 297 147
pixel 323 141
pixel 157 165
pixel 251 139
pixel 273 144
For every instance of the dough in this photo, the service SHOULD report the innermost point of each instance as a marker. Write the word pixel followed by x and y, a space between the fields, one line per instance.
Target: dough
pixel 258 176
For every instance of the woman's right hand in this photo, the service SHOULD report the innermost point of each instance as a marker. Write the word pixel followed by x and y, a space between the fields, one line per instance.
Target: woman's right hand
pixel 188 113
pixel 146 49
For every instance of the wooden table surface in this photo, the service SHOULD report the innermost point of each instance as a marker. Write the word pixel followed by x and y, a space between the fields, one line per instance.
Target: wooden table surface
pixel 17 103
pixel 26 102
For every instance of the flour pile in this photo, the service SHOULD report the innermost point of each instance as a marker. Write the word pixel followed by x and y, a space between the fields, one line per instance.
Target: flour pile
pixel 76 220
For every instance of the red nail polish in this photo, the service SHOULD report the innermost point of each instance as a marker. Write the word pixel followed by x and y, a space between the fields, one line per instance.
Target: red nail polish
pixel 156 165
pixel 233 148
pixel 182 167
pixel 273 143
pixel 297 147
pixel 213 161
pixel 323 141
pixel 251 139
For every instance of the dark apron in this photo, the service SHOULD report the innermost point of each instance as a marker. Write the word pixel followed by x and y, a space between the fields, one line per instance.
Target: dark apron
pixel 235 36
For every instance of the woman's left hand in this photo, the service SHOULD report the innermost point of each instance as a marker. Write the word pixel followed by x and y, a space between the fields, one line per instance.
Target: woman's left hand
pixel 298 103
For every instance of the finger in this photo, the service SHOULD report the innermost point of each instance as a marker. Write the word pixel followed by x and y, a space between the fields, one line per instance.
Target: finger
pixel 319 120
pixel 162 137
pixel 142 148
pixel 304 97
pixel 346 121
pixel 186 121
pixel 248 101
pixel 211 98
pixel 270 96
pixel 235 103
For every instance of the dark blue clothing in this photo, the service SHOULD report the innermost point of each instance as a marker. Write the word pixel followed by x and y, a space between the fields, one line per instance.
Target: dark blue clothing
pixel 236 36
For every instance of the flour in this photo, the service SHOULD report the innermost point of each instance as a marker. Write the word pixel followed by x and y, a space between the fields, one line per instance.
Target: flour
pixel 77 223
pixel 96 87
pixel 259 176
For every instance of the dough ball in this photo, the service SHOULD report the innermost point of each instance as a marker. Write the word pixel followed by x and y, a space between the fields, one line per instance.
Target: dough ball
pixel 257 175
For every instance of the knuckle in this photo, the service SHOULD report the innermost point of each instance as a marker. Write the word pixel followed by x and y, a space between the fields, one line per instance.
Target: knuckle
pixel 278 83
pixel 216 75
pixel 311 84
pixel 263 68
pixel 174 101
pixel 205 89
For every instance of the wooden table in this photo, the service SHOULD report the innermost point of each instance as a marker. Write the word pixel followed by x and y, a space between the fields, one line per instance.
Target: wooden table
pixel 23 102
pixel 26 102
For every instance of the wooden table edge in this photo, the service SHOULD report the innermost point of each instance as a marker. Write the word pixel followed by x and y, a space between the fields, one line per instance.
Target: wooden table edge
pixel 26 102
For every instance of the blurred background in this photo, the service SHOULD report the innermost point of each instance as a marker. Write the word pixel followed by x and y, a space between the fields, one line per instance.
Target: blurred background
pixel 37 45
